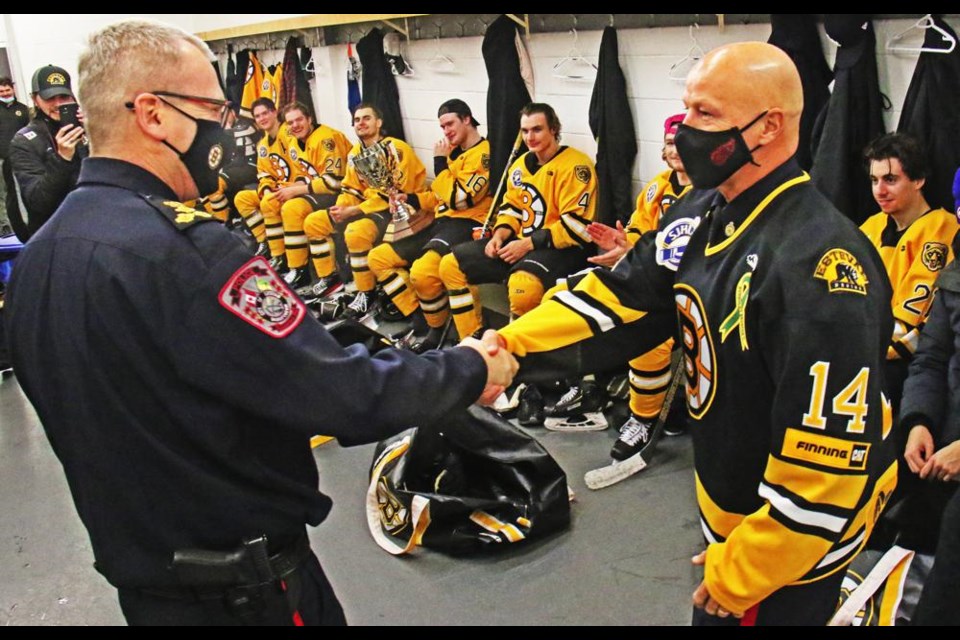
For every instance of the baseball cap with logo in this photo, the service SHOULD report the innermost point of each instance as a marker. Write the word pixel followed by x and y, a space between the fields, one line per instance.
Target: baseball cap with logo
pixel 50 81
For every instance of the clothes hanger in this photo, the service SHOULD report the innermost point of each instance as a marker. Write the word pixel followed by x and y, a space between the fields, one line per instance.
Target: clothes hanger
pixel 924 23
pixel 574 66
pixel 679 69
pixel 440 62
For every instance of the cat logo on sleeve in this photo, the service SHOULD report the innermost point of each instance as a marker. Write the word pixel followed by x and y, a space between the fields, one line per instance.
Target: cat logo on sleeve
pixel 259 296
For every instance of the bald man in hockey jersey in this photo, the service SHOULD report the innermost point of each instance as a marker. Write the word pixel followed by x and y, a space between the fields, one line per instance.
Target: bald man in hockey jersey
pixel 540 233
pixel 783 311
pixel 460 199
pixel 320 155
pixel 259 207
pixel 361 213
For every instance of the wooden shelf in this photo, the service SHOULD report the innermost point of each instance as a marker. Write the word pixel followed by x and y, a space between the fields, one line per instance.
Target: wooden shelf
pixel 303 22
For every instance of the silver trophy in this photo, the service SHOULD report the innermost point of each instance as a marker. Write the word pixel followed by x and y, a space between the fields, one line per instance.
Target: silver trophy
pixel 379 166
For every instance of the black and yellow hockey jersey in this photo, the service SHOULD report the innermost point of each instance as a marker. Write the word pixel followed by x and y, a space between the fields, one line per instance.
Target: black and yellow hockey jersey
pixel 321 159
pixel 461 190
pixel 656 197
pixel 913 258
pixel 551 203
pixel 273 161
pixel 782 308
pixel 355 191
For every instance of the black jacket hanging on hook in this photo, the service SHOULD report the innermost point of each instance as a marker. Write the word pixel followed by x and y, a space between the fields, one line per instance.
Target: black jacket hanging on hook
pixel 851 119
pixel 798 36
pixel 236 78
pixel 506 93
pixel 930 113
pixel 612 125
pixel 379 84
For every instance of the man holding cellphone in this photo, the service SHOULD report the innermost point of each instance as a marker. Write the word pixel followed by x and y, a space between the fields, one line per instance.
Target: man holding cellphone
pixel 45 155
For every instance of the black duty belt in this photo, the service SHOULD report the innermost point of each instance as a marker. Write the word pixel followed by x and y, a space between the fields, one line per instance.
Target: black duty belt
pixel 281 565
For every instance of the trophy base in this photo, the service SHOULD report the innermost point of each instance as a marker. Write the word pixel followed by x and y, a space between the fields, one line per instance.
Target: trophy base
pixel 400 229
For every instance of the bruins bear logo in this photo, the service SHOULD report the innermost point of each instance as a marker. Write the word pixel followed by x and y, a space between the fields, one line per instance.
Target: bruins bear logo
pixel 582 172
pixel 934 255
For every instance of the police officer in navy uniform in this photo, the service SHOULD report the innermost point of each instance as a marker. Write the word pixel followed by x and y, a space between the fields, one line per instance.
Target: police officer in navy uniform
pixel 147 339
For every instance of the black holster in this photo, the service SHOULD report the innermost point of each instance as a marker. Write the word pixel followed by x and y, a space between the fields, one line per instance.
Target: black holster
pixel 251 583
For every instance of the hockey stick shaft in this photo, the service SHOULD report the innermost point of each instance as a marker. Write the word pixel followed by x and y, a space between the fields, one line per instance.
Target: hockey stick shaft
pixel 614 473
pixel 495 203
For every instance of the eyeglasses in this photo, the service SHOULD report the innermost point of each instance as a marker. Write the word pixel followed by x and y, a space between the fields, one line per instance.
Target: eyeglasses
pixel 224 105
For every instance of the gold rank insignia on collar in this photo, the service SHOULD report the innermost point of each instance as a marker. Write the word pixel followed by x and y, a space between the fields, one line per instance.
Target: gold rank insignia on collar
pixel 182 216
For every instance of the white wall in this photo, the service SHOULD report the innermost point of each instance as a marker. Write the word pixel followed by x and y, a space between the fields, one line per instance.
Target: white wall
pixel 646 56
pixel 36 39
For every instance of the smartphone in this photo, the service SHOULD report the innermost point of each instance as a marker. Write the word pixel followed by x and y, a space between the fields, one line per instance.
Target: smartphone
pixel 68 114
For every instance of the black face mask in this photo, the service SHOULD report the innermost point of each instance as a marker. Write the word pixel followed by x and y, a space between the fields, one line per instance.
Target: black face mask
pixel 206 153
pixel 710 157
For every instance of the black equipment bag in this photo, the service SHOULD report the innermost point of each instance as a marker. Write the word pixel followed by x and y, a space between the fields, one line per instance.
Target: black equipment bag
pixel 473 483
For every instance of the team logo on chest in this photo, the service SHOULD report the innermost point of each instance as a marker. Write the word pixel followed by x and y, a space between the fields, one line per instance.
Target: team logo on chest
pixel 842 271
pixel 259 297
pixel 534 208
pixel 698 353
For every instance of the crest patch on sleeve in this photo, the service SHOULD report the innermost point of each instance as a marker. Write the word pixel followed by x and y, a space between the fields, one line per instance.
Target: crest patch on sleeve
pixel 260 297
pixel 583 173
pixel 934 255
pixel 842 271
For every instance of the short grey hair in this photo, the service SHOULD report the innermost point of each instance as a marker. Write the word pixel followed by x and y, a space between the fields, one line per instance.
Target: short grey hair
pixel 124 59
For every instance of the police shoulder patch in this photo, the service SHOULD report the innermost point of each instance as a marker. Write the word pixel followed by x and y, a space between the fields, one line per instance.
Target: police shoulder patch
pixel 258 296
pixel 583 173
pixel 934 255
pixel 842 271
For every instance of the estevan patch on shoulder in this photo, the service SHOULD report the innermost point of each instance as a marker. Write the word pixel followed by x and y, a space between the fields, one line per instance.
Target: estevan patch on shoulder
pixel 260 297
pixel 842 271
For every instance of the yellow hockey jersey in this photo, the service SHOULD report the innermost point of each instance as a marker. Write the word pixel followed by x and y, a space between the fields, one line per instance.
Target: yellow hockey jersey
pixel 551 203
pixel 462 189
pixel 321 159
pixel 252 85
pixel 355 191
pixel 274 169
pixel 653 201
pixel 913 258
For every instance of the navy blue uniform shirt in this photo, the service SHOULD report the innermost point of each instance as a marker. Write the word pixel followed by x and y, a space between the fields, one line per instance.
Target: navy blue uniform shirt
pixel 179 380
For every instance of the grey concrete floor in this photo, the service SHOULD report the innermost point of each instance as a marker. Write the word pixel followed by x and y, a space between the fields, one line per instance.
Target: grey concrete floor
pixel 624 561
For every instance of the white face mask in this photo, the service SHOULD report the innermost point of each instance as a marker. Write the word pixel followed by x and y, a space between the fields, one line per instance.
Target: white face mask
pixel 7 100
